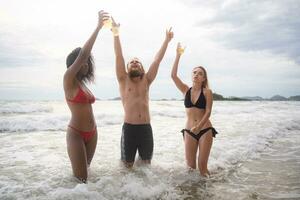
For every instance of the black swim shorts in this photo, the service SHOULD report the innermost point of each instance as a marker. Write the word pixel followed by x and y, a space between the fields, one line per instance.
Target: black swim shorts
pixel 136 137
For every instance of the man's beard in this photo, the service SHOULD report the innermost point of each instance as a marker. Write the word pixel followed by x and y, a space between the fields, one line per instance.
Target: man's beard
pixel 135 73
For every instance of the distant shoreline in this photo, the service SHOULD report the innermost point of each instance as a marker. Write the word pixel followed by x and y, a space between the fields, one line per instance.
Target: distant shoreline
pixel 227 99
pixel 216 97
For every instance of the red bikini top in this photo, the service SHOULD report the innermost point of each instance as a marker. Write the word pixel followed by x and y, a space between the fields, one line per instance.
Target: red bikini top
pixel 82 97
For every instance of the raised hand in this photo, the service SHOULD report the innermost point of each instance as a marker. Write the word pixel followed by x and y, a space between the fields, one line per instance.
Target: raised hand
pixel 180 49
pixel 169 34
pixel 115 27
pixel 102 17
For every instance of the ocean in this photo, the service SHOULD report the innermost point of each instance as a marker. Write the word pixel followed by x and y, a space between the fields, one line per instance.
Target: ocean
pixel 256 154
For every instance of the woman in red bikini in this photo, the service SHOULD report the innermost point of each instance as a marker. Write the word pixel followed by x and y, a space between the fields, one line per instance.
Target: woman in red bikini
pixel 82 129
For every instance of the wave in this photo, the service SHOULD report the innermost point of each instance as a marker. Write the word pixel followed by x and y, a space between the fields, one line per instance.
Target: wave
pixel 108 119
pixel 49 122
pixel 246 132
pixel 24 108
pixel 25 123
pixel 170 114
pixel 247 143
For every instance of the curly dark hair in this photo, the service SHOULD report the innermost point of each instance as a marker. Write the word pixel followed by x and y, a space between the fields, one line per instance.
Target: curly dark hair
pixel 90 76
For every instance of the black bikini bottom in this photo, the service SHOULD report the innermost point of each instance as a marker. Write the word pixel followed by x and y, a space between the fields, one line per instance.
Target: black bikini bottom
pixel 202 132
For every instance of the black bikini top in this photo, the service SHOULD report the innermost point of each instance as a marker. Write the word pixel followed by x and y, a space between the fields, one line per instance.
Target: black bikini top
pixel 200 103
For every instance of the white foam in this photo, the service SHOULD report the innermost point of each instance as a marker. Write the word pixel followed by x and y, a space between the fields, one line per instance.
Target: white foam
pixel 35 164
pixel 24 107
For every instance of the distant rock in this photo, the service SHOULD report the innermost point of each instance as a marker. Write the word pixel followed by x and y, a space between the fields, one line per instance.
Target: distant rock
pixel 236 99
pixel 256 98
pixel 217 97
pixel 278 98
pixel 294 98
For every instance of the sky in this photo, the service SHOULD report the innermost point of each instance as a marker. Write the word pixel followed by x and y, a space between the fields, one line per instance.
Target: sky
pixel 249 47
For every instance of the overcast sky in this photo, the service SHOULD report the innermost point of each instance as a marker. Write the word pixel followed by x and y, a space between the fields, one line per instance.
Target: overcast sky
pixel 248 47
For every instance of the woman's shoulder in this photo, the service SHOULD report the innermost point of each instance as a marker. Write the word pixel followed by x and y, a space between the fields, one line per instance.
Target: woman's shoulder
pixel 207 91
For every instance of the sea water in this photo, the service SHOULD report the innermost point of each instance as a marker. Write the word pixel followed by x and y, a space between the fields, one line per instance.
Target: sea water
pixel 256 154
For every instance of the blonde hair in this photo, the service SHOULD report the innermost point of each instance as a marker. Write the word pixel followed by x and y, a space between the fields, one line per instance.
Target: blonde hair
pixel 205 82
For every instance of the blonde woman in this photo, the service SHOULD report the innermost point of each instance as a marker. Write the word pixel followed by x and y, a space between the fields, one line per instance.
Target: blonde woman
pixel 198 101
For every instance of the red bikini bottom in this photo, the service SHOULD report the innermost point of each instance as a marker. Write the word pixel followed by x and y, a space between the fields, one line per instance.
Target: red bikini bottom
pixel 86 135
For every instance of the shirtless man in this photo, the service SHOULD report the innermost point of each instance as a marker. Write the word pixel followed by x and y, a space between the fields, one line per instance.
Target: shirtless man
pixel 134 91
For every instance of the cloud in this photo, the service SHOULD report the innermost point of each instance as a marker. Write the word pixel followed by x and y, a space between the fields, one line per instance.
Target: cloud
pixel 248 47
pixel 254 25
pixel 17 53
